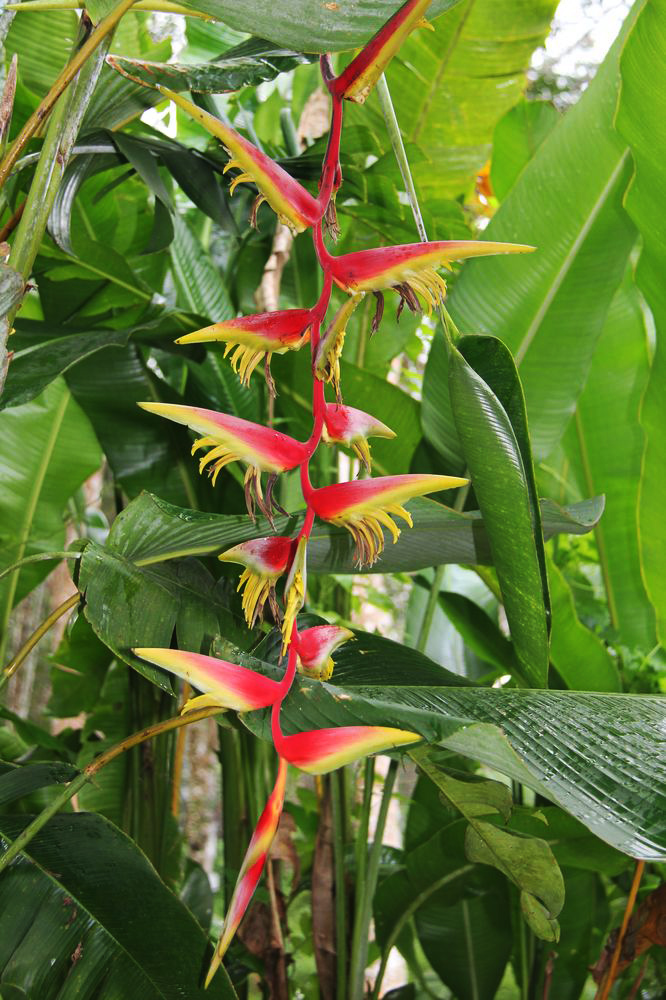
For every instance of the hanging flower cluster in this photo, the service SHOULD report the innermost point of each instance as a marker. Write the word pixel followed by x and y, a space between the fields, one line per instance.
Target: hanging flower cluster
pixel 365 507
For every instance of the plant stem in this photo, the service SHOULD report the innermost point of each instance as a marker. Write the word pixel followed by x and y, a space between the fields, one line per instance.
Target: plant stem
pixel 395 136
pixel 60 137
pixel 429 613
pixel 93 768
pixel 39 632
pixel 406 916
pixel 339 845
pixel 40 557
pixel 362 929
pixel 361 858
pixel 605 988
pixel 103 29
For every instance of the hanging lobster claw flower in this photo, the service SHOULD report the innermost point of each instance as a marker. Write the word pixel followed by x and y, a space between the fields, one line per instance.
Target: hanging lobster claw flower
pixel 225 684
pixel 323 750
pixel 346 425
pixel 251 338
pixel 252 867
pixel 326 366
pixel 364 506
pixel 294 591
pixel 265 560
pixel 232 439
pixel 292 203
pixel 410 269
pixel 358 79
pixel 315 646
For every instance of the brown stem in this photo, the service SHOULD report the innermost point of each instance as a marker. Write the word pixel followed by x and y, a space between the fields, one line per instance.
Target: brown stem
pixel 39 632
pixel 105 26
pixel 605 987
pixel 179 757
pixel 11 223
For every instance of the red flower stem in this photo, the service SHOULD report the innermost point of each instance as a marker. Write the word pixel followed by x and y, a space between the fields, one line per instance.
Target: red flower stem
pixel 331 168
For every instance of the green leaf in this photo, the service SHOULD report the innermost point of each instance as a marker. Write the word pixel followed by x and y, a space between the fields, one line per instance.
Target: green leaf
pixel 36 367
pixel 480 632
pixel 497 453
pixel 450 86
pixel 307 25
pixel 39 64
pixel 22 780
pixel 47 450
pixel 582 660
pixel 548 307
pixel 638 121
pixel 80 664
pixel 132 606
pixel 151 530
pixel 86 889
pixel 142 453
pixel 528 863
pixel 605 447
pixel 199 283
pixel 516 139
pixel 246 65
pixel 599 756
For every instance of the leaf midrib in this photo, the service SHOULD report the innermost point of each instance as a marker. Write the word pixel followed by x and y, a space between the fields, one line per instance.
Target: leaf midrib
pixel 570 258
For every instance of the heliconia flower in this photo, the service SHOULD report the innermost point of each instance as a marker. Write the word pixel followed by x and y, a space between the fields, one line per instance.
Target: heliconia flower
pixel 315 646
pixel 323 750
pixel 362 507
pixel 232 439
pixel 326 365
pixel 292 203
pixel 346 425
pixel 255 337
pixel 294 590
pixel 265 559
pixel 358 79
pixel 225 684
pixel 252 867
pixel 410 269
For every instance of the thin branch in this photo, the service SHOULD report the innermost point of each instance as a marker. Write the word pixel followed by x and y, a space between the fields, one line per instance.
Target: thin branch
pixel 104 28
pixel 605 988
pixel 38 634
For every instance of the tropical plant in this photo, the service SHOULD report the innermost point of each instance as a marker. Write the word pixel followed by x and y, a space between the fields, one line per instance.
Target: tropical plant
pixel 521 709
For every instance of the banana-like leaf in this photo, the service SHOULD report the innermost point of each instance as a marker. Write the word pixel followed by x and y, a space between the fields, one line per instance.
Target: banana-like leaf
pixel 605 448
pixel 19 780
pixel 639 122
pixel 85 914
pixel 308 25
pixel 451 86
pixel 47 450
pixel 550 307
pixel 246 65
pixel 34 368
pixel 489 411
pixel 599 756
pixel 150 530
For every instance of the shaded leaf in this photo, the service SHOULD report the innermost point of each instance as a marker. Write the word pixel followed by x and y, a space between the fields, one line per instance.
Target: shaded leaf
pixel 252 62
pixel 86 889
pixel 516 139
pixel 495 442
pixel 151 530
pixel 638 121
pixel 22 780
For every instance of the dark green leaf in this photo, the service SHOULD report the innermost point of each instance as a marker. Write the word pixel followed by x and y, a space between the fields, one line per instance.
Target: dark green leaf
pixel 36 367
pixel 151 530
pixel 496 449
pixel 86 889
pixel 246 65
pixel 24 779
